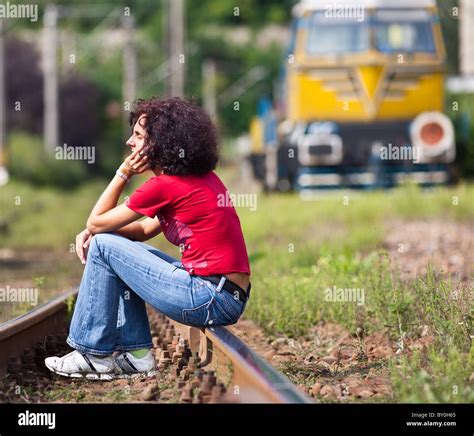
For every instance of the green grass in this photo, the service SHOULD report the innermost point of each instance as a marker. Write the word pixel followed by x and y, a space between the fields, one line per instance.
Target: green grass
pixel 298 249
pixel 44 217
pixel 434 377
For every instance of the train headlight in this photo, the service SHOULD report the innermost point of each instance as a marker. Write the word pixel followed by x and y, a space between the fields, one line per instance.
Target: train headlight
pixel 432 133
pixel 320 149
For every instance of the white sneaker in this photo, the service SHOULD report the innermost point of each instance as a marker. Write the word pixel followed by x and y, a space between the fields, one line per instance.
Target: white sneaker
pixel 82 365
pixel 127 365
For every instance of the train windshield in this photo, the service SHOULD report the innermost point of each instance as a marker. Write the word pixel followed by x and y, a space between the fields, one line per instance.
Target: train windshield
pixel 404 31
pixel 336 36
pixel 391 31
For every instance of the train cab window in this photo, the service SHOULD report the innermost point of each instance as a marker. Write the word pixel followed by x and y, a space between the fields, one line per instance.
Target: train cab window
pixel 404 31
pixel 328 36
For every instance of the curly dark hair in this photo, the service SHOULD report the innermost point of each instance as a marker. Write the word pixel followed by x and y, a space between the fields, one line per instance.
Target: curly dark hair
pixel 182 139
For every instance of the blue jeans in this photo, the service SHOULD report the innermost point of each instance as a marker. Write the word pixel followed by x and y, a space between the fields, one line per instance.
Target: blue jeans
pixel 120 276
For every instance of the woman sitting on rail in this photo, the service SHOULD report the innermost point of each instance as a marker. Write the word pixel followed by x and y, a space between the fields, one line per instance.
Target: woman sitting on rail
pixel 110 330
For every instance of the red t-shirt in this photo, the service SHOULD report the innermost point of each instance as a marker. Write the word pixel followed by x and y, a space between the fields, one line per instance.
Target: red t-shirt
pixel 195 216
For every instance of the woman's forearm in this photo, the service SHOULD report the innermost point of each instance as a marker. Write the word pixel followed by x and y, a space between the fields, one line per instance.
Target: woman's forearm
pixel 141 230
pixel 132 231
pixel 109 198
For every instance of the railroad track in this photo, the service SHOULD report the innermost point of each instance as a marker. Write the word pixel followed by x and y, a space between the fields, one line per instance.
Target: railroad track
pixel 207 365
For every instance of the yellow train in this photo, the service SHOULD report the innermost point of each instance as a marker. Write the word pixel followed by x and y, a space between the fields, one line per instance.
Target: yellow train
pixel 360 99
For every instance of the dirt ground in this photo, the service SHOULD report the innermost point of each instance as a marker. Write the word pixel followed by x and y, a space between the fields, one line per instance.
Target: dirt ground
pixel 447 246
pixel 327 363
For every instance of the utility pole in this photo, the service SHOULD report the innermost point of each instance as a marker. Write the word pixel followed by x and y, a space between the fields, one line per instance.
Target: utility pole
pixel 165 45
pixel 209 87
pixel 465 82
pixel 50 78
pixel 2 95
pixel 177 55
pixel 130 68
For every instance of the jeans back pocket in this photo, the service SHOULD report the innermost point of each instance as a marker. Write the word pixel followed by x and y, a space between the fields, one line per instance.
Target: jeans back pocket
pixel 197 316
pixel 229 305
pixel 213 313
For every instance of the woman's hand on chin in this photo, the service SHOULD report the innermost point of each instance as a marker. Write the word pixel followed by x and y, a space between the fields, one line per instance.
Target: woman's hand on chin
pixel 136 163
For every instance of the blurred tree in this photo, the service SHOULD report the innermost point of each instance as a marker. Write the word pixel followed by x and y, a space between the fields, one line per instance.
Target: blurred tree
pixel 450 25
pixel 234 60
pixel 79 121
pixel 254 13
pixel 24 91
pixel 79 99
pixel 29 162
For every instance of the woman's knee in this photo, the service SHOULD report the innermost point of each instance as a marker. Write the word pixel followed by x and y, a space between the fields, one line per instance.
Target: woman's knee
pixel 102 241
